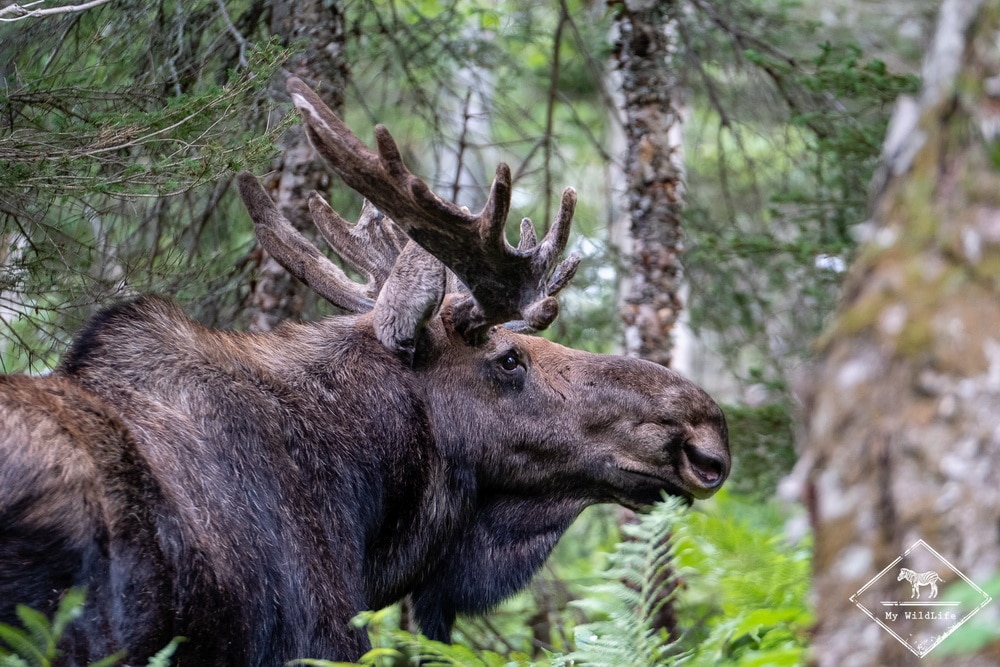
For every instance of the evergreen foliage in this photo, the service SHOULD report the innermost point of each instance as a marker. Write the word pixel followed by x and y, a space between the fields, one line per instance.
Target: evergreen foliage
pixel 120 128
pixel 777 190
pixel 761 443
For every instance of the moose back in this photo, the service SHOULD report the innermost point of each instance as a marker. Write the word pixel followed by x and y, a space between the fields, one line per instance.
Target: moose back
pixel 253 492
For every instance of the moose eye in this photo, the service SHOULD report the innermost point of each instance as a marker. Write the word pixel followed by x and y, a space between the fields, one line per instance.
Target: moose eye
pixel 510 361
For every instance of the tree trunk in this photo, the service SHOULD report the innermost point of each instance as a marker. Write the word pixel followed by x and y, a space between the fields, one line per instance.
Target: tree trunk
pixel 903 427
pixel 650 299
pixel 650 302
pixel 319 26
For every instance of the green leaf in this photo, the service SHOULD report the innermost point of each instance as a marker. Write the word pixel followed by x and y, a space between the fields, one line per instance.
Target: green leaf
pixel 70 608
pixel 162 657
pixel 109 661
pixel 20 642
pixel 41 632
pixel 11 661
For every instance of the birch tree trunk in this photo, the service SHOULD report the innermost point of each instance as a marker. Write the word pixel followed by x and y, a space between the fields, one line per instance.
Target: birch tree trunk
pixel 903 427
pixel 650 245
pixel 650 298
pixel 319 25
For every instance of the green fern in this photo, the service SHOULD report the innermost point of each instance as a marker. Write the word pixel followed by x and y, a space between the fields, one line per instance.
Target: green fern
pixel 746 601
pixel 36 644
pixel 740 591
pixel 632 596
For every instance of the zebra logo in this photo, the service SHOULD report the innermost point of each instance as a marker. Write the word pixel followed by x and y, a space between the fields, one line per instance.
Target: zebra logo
pixel 918 579
pixel 920 622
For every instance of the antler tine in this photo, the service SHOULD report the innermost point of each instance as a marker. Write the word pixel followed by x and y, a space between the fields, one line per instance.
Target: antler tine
pixel 528 239
pixel 507 284
pixel 371 245
pixel 299 257
pixel 558 235
pixel 381 178
pixel 541 314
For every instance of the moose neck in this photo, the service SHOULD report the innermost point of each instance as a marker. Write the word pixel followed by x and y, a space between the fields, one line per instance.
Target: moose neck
pixel 421 486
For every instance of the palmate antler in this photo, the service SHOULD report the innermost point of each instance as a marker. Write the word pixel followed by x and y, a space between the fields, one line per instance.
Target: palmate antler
pixel 507 285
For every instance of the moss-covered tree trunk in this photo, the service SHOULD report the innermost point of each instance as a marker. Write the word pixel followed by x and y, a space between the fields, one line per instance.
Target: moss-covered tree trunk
pixel 903 427
pixel 315 28
pixel 649 84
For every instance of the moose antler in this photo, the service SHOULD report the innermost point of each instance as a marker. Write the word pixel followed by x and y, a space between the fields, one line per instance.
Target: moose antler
pixel 371 246
pixel 507 284
pixel 300 257
pixel 405 283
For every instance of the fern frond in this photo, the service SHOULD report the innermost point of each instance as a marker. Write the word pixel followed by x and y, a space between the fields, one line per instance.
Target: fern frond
pixel 639 572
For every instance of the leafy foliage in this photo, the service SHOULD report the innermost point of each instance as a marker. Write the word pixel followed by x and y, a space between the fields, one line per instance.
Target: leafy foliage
pixel 36 644
pixel 741 595
pixel 748 584
pixel 979 631
pixel 631 596
pixel 760 440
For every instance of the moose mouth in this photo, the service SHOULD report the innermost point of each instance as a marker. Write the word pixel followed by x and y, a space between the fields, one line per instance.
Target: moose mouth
pixel 649 490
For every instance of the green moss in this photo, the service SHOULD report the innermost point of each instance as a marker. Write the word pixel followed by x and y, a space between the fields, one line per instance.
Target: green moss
pixel 915 206
pixel 863 313
pixel 915 338
pixel 988 268
pixel 993 152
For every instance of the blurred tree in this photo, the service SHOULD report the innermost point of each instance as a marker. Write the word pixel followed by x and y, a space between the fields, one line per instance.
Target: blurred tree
pixel 646 53
pixel 314 31
pixel 901 440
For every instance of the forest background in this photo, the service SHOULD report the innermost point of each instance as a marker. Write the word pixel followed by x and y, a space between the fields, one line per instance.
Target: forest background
pixel 736 143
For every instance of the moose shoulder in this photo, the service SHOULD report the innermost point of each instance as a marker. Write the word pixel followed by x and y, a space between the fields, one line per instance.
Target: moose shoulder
pixel 253 492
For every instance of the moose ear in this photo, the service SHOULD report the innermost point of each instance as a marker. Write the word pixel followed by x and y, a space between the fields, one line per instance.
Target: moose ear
pixel 408 300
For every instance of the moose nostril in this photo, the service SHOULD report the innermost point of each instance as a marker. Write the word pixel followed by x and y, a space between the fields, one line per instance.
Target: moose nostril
pixel 708 468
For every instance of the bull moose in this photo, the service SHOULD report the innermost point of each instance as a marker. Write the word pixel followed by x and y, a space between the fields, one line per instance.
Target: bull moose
pixel 254 492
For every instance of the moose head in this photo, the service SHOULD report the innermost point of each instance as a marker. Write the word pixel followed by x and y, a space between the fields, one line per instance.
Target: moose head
pixel 468 333
pixel 425 445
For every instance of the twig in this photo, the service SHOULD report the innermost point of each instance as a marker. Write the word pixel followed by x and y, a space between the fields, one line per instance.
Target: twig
pixel 22 12
pixel 240 40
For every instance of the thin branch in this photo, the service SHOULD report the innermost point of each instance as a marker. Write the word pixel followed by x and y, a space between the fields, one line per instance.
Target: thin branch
pixel 22 12
pixel 462 146
pixel 240 40
pixel 550 109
